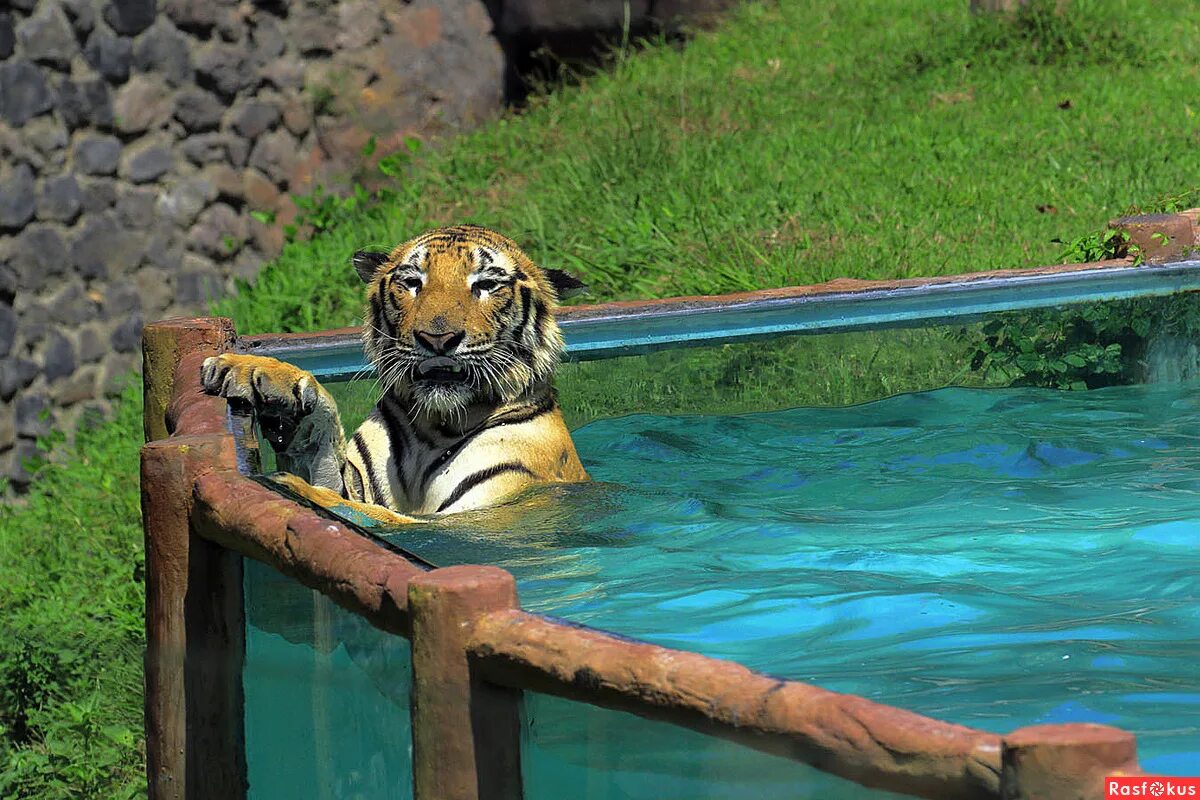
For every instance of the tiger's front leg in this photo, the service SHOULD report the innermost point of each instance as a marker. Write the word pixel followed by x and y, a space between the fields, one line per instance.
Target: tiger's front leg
pixel 297 416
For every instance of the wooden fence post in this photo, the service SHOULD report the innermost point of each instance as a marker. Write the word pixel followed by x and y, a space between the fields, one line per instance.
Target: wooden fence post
pixel 194 615
pixel 164 344
pixel 466 733
pixel 1064 762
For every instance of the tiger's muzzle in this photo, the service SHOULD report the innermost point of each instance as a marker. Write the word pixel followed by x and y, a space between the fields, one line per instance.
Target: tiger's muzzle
pixel 442 369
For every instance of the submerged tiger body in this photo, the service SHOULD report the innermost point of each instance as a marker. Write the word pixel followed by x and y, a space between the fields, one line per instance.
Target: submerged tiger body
pixel 460 327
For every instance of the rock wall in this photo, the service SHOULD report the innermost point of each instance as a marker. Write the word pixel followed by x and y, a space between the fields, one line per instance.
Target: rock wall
pixel 137 136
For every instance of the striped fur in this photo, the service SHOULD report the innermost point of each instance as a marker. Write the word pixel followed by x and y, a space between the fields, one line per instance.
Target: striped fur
pixel 460 326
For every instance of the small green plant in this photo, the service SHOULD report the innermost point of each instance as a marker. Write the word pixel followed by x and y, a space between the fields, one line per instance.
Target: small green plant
pixel 323 99
pixel 1099 345
pixel 1103 245
pixel 265 217
pixel 322 211
pixel 393 164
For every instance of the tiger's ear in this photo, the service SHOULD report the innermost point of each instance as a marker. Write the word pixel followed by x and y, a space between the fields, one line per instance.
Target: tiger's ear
pixel 565 284
pixel 367 263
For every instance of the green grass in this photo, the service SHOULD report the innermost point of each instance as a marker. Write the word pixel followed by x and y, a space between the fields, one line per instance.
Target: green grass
pixel 803 141
pixel 71 629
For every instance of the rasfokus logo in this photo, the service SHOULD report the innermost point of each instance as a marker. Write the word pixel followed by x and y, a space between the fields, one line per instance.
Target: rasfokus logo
pixel 1150 786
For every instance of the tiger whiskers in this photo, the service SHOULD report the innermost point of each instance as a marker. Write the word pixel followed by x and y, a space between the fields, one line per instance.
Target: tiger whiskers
pixel 493 374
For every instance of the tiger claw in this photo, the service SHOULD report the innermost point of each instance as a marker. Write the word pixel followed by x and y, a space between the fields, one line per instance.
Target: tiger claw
pixel 262 382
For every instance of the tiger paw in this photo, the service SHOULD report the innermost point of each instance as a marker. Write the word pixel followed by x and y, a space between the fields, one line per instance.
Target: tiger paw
pixel 335 502
pixel 280 394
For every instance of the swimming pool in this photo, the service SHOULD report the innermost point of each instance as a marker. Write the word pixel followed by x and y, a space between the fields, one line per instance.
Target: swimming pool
pixel 818 507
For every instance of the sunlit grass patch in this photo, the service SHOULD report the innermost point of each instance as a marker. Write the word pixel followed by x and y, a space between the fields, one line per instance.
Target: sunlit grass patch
pixel 671 174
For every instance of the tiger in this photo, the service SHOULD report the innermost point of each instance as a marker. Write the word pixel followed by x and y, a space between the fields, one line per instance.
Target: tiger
pixel 461 331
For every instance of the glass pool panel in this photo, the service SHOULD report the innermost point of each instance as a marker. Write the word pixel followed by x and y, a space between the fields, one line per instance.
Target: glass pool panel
pixel 1144 340
pixel 574 750
pixel 995 558
pixel 326 698
pixel 784 372
pixel 821 507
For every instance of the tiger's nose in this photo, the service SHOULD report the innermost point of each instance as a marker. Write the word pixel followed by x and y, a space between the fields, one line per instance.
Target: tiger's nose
pixel 439 343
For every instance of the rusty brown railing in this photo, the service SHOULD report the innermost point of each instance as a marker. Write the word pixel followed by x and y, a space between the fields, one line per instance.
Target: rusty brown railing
pixel 474 651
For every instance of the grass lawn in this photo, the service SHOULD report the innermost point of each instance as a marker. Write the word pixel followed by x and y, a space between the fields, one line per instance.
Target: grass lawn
pixel 802 141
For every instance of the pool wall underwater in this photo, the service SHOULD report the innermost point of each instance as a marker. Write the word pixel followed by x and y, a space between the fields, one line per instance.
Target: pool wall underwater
pixel 464 655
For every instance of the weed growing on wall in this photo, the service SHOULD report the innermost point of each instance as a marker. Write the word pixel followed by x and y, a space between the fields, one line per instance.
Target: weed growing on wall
pixel 322 211
pixel 1099 246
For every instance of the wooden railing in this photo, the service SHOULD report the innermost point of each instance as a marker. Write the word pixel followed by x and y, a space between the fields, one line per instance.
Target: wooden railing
pixel 474 650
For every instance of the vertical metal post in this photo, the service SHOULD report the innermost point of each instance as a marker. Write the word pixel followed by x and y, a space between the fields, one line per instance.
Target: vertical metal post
pixel 466 733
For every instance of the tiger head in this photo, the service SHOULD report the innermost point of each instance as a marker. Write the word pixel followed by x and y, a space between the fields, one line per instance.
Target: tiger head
pixel 460 316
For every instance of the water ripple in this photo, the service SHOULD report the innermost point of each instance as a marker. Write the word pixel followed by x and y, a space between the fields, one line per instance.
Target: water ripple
pixel 994 558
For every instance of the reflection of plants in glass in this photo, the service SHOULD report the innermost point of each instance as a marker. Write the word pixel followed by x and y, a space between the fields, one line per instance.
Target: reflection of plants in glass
pixel 1102 344
pixel 1040 348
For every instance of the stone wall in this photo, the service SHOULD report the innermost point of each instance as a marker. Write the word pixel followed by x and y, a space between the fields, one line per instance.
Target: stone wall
pixel 137 136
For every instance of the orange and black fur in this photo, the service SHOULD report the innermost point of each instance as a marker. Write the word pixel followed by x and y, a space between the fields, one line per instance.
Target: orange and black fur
pixel 460 327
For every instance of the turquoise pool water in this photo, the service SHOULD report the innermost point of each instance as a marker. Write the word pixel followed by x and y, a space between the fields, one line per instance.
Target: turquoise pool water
pixel 996 558
pixel 325 698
